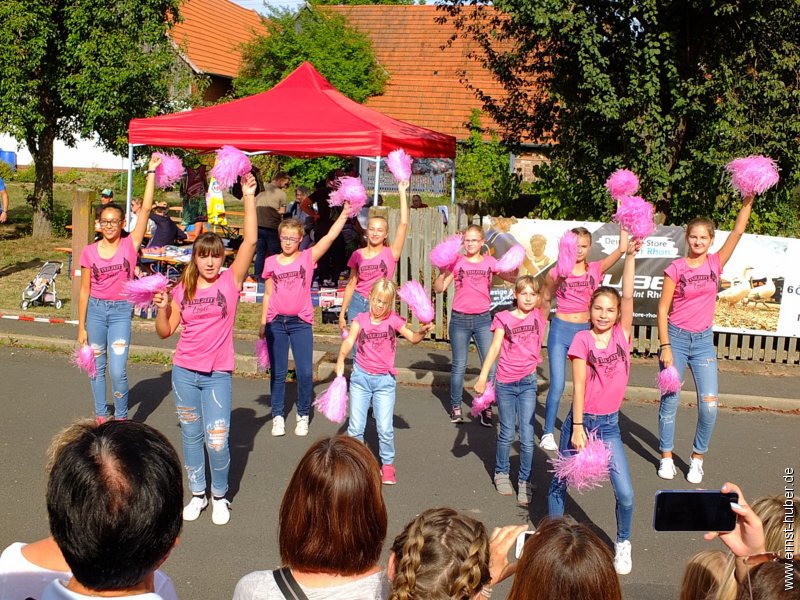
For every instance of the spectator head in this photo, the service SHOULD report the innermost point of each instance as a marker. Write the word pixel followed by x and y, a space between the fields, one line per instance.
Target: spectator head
pixel 301 192
pixel 768 582
pixel 136 204
pixel 114 501
pixel 332 518
pixel 281 180
pixel 161 208
pixel 416 201
pixel 106 196
pixel 565 559
pixel 703 575
pixel 772 510
pixel 440 555
pixel 380 199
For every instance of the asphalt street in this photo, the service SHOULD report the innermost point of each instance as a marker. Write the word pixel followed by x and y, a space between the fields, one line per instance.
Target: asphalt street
pixel 437 464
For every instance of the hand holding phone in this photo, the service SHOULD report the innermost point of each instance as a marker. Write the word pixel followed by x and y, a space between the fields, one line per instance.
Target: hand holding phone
pixel 521 539
pixel 694 510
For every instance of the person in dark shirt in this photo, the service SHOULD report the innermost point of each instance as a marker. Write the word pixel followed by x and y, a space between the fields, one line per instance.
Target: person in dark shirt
pixel 166 232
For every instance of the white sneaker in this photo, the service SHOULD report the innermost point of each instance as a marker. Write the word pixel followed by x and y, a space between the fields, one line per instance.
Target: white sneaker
pixel 548 442
pixel 220 513
pixel 666 468
pixel 622 557
pixel 695 474
pixel 196 505
pixel 278 426
pixel 302 425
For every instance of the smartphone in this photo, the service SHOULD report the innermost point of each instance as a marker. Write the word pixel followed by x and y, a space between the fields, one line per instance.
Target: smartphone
pixel 694 510
pixel 521 539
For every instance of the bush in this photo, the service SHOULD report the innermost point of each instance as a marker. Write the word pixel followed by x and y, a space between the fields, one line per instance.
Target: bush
pixel 72 176
pixel 6 174
pixel 25 175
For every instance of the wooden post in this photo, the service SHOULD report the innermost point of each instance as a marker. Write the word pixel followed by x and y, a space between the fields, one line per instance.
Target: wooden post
pixel 82 234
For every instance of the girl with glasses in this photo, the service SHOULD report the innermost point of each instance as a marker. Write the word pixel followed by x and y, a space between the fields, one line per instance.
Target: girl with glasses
pixel 287 316
pixel 104 314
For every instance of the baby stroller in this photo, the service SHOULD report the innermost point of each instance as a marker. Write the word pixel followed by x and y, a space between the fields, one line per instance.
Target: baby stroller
pixel 42 290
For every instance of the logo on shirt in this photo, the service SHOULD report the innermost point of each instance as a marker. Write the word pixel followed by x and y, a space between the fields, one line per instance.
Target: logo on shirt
pixel 365 269
pixel 589 282
pixel 291 279
pixel 697 281
pixel 202 305
pixel 607 364
pixel 476 276
pixel 380 340
pixel 102 273
pixel 527 335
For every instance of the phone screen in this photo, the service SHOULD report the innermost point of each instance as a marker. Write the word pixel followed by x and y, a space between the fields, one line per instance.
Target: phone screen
pixel 694 510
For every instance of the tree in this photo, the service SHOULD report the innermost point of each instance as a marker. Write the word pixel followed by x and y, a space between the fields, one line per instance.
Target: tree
pixel 353 2
pixel 672 89
pixel 82 67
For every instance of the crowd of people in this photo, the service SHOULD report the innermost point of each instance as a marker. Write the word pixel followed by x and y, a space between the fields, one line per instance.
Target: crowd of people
pixel 333 521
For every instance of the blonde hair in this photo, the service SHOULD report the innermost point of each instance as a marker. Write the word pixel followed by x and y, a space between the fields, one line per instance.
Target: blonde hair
pixel 703 575
pixel 291 224
pixel 524 281
pixel 477 228
pixel 385 222
pixel 772 510
pixel 386 290
pixel 440 555
pixel 206 244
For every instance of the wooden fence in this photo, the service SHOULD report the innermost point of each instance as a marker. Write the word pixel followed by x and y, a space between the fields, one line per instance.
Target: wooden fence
pixel 426 229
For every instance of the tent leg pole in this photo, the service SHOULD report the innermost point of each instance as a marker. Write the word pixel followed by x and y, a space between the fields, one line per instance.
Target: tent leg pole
pixel 129 192
pixel 453 186
pixel 377 185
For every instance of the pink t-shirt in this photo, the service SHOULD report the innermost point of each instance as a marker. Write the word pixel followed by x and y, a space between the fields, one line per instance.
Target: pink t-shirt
pixel 206 342
pixel 110 274
pixel 291 287
pixel 575 292
pixel 607 370
pixel 370 270
pixel 376 344
pixel 695 293
pixel 522 344
pixel 473 281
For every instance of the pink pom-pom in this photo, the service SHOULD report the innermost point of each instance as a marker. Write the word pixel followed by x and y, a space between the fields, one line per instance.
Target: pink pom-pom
pixel 445 253
pixel 668 381
pixel 333 401
pixel 753 175
pixel 399 163
pixel 140 292
pixel 349 189
pixel 622 182
pixel 262 354
pixel 418 300
pixel 585 469
pixel 345 334
pixel 169 172
pixel 231 164
pixel 483 401
pixel 83 358
pixel 511 259
pixel 567 254
pixel 635 215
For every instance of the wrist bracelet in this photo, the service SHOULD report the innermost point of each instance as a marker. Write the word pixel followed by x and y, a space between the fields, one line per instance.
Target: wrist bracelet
pixel 150 171
pixel 665 345
pixel 486 591
pixel 581 423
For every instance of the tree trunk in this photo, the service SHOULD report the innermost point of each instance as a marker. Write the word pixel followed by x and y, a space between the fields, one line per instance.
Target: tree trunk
pixel 42 199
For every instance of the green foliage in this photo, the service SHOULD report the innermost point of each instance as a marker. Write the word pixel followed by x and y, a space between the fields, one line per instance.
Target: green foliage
pixel 27 175
pixel 81 68
pixel 341 54
pixel 70 176
pixel 670 89
pixel 6 174
pixel 309 172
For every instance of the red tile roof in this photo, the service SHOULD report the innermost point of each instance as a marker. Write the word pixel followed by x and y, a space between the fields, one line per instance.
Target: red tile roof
pixel 424 86
pixel 211 34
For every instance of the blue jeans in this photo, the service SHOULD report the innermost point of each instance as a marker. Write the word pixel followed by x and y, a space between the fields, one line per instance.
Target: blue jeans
pixel 697 350
pixel 463 328
pixel 203 404
pixel 607 429
pixel 282 332
pixel 108 325
pixel 516 405
pixel 358 304
pixel 558 342
pixel 267 244
pixel 380 390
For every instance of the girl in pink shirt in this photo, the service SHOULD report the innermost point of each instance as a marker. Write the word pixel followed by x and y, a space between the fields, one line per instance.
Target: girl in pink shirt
pixel 204 304
pixel 572 315
pixel 374 334
pixel 600 369
pixel 469 313
pixel 517 339
pixel 376 261
pixel 287 316
pixel 104 314
pixel 685 318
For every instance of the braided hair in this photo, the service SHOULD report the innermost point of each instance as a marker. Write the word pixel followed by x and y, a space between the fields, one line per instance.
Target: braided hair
pixel 440 555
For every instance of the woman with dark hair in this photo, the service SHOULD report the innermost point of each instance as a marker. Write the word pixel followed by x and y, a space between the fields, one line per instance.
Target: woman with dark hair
pixel 565 559
pixel 204 303
pixel 331 528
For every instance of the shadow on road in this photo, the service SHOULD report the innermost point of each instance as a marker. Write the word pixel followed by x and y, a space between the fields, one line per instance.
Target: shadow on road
pixel 148 394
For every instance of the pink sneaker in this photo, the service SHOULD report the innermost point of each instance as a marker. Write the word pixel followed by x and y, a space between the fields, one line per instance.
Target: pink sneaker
pixel 388 476
pixel 101 420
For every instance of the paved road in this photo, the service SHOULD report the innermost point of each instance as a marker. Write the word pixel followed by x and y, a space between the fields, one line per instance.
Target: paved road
pixel 437 464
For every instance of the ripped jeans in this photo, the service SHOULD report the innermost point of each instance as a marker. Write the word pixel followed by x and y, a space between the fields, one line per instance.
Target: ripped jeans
pixel 696 350
pixel 203 404
pixel 108 326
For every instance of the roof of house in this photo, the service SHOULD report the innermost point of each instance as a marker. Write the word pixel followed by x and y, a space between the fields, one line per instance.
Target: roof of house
pixel 211 34
pixel 424 84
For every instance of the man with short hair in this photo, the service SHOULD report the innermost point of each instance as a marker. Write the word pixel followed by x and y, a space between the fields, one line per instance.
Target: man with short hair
pixel 270 206
pixel 165 232
pixel 114 503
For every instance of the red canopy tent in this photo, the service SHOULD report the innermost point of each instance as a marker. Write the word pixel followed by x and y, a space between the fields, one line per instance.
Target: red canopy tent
pixel 303 115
